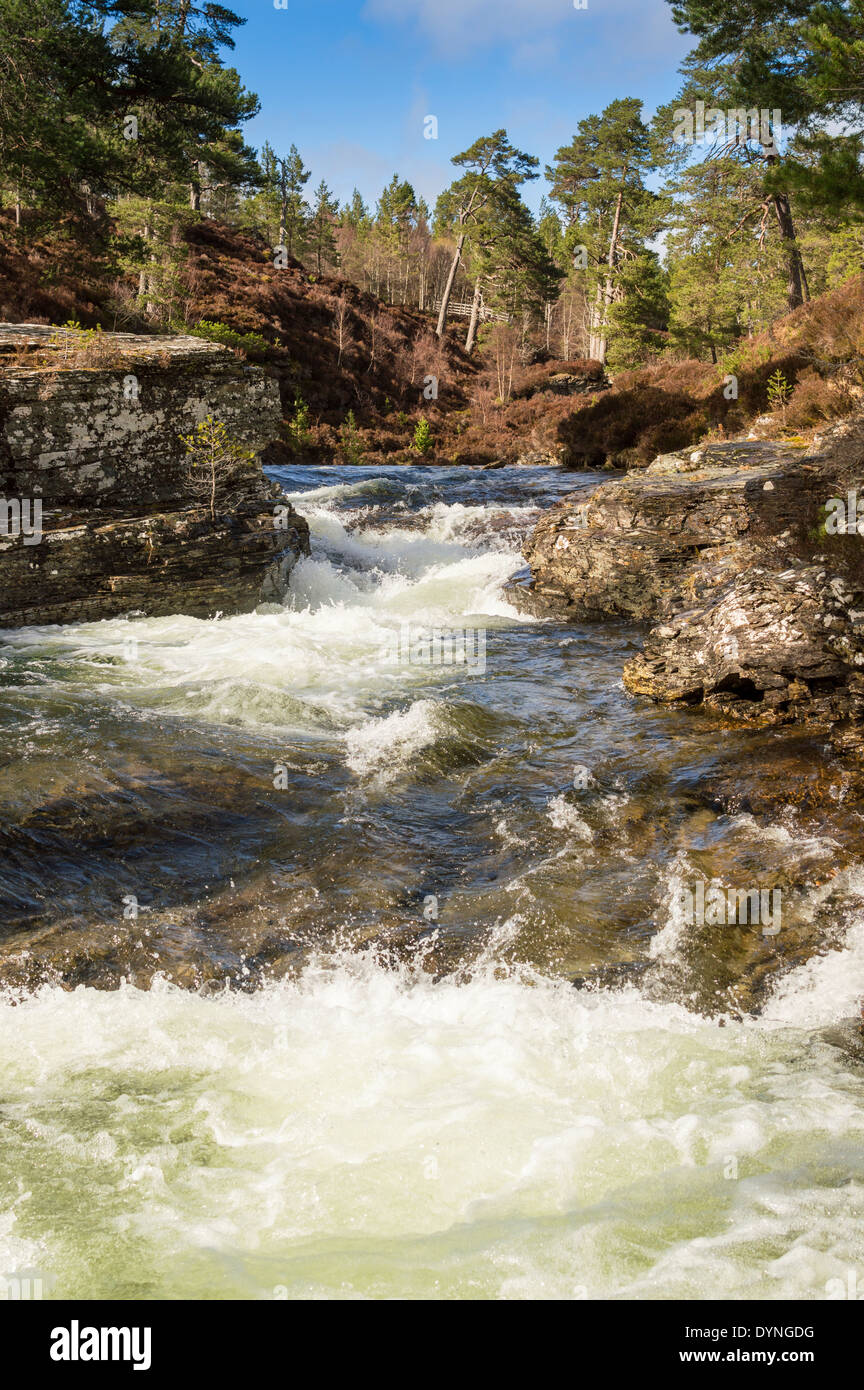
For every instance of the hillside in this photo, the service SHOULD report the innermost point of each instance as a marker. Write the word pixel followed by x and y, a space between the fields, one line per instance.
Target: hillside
pixel 356 375
pixel 818 350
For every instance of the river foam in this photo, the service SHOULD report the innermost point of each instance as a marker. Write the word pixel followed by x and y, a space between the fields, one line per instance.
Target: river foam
pixel 365 1131
pixel 330 644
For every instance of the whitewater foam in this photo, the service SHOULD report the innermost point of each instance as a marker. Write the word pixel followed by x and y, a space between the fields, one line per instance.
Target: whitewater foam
pixel 385 746
pixel 367 1131
pixel 565 816
pixel 328 644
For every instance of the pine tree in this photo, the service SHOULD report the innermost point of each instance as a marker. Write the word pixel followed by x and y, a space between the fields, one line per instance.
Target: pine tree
pixel 356 214
pixel 715 252
pixel 396 218
pixel 599 181
pixel 829 172
pixel 639 318
pixel 509 262
pixel 114 97
pixel 750 55
pixel 49 61
pixel 490 162
pixel 423 441
pixel 284 180
pixel 321 226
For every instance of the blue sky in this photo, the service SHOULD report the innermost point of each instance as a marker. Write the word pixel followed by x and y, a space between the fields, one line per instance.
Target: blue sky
pixel 350 81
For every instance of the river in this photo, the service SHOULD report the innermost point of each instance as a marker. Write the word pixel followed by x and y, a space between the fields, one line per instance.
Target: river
pixel 333 970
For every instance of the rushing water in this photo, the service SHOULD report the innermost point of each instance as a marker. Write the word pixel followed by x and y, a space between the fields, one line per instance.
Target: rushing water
pixel 332 972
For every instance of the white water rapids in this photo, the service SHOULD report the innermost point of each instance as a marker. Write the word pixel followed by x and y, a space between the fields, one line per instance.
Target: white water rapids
pixel 368 1127
pixel 366 1132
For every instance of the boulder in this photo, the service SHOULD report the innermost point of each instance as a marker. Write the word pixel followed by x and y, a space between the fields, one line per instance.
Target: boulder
pixel 639 543
pixel 718 548
pixel 766 646
pixel 90 431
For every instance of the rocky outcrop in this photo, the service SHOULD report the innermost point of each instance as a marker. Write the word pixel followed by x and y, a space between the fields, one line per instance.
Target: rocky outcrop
pixel 160 563
pixel 570 384
pixel 708 547
pixel 90 434
pixel 635 545
pixel 765 646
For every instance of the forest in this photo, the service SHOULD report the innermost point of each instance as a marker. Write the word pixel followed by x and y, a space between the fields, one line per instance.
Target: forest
pixel 664 235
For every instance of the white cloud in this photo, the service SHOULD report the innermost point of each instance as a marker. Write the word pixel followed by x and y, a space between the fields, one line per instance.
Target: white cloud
pixel 476 23
pixel 638 29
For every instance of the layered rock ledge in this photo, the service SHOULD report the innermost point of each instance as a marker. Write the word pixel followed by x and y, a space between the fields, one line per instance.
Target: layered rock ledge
pixel 98 446
pixel 756 610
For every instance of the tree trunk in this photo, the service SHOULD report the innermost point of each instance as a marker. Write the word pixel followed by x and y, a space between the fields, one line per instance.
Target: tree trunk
pixel 143 277
pixel 448 288
pixel 798 291
pixel 597 344
pixel 616 227
pixel 608 288
pixel 195 197
pixel 475 316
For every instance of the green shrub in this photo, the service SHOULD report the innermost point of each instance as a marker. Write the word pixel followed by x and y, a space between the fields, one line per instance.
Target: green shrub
pixel 299 429
pixel 214 332
pixel 779 391
pixel 423 441
pixel 351 441
pixel 215 463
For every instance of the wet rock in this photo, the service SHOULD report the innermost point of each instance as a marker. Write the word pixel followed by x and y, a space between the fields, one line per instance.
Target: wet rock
pixel 642 542
pixel 701 545
pixel 766 646
pixel 159 563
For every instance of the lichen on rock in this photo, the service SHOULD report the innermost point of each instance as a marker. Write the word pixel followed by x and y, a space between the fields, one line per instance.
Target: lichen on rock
pixel 101 449
pixel 707 547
